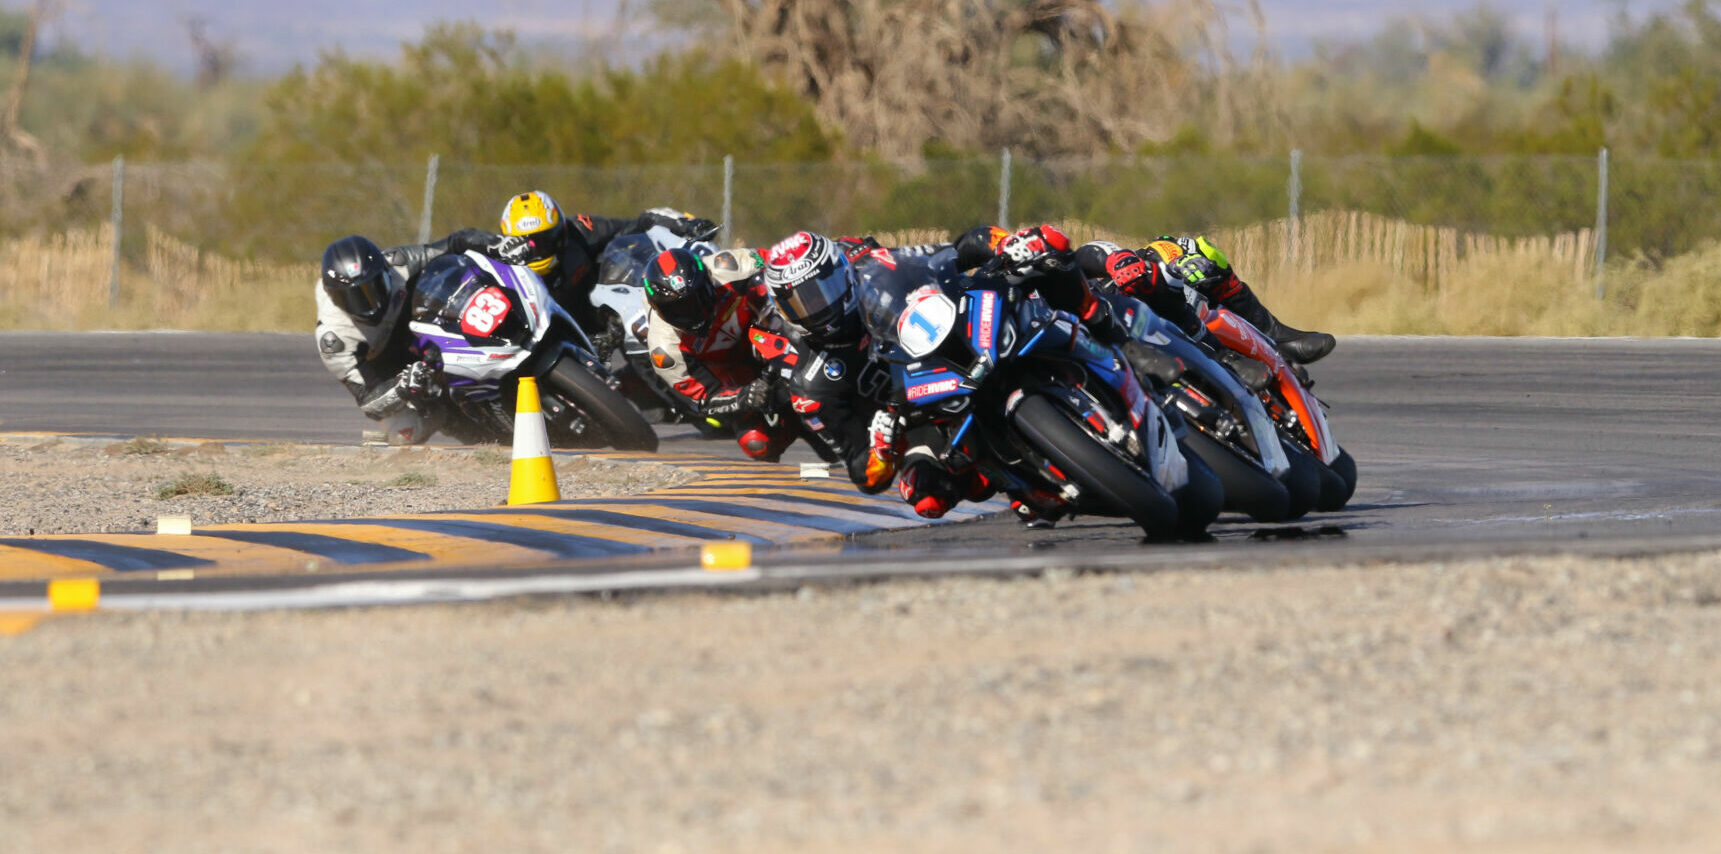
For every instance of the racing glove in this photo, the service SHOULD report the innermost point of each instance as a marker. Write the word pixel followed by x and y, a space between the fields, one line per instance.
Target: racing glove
pixel 1032 247
pixel 419 385
pixel 1127 270
pixel 883 450
pixel 752 397
pixel 510 249
pixel 415 387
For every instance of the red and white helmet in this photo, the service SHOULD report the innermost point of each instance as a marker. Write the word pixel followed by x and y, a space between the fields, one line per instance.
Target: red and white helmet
pixel 809 277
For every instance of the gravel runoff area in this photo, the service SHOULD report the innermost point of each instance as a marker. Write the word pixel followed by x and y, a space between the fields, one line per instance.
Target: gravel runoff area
pixel 76 485
pixel 1535 704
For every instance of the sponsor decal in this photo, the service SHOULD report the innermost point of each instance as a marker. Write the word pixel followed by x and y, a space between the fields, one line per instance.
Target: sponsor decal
pixel 1168 250
pixel 790 248
pixel 529 224
pixel 661 358
pixel 988 312
pixel 331 343
pixel 928 389
pixel 835 369
pixel 804 405
pixel 883 256
pixel 793 258
pixel 585 220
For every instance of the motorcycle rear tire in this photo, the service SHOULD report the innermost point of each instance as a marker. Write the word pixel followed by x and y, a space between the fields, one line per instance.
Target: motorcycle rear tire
pixel 1109 485
pixel 1249 489
pixel 616 421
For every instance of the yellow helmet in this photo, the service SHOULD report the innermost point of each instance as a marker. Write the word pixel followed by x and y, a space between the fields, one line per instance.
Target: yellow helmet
pixel 534 215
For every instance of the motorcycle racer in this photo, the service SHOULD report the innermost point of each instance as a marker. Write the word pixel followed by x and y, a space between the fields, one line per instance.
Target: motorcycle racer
pixel 363 304
pixel 1174 263
pixel 563 249
pixel 699 330
pixel 840 389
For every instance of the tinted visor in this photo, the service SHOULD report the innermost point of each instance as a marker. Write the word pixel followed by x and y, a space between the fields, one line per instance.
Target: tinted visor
pixel 819 301
pixel 687 309
pixel 366 297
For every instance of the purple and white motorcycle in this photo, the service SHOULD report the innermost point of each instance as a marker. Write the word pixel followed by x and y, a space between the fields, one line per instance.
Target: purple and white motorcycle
pixel 486 324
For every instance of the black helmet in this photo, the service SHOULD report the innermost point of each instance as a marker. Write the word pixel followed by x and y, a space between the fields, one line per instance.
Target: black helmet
pixel 810 280
pixel 680 290
pixel 355 276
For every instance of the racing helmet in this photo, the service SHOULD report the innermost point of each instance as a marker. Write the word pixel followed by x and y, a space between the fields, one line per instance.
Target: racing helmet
pixel 535 216
pixel 679 289
pixel 356 278
pixel 810 280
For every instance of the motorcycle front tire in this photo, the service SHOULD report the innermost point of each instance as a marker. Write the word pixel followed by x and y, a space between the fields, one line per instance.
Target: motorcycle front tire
pixel 1249 489
pixel 617 422
pixel 1109 485
pixel 1338 483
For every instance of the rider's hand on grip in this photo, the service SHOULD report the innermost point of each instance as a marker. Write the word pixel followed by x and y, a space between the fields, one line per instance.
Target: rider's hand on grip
pixel 510 249
pixel 756 396
pixel 697 228
pixel 1126 270
pixel 418 384
pixel 1196 269
pixel 1033 245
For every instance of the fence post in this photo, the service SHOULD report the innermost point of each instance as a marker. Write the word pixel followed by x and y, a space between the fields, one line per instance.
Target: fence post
pixel 429 199
pixel 728 201
pixel 118 216
pixel 1294 188
pixel 1601 220
pixel 1004 191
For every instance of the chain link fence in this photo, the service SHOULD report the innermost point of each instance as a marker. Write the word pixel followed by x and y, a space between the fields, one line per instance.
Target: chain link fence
pixel 188 227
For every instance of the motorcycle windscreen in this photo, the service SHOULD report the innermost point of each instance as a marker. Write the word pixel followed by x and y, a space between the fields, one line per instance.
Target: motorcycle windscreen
pixel 625 259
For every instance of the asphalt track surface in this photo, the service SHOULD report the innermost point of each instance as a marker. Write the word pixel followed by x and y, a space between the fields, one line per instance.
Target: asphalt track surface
pixel 1464 446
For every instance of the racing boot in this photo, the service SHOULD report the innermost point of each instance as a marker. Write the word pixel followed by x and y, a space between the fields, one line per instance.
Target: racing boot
pixel 1296 344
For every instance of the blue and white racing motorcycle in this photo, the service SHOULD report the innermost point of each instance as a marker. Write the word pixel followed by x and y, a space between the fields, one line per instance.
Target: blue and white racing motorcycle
pixel 1055 418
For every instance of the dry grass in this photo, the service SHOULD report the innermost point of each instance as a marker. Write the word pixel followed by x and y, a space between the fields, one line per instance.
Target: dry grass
pixel 63 282
pixel 1355 273
pixel 1341 271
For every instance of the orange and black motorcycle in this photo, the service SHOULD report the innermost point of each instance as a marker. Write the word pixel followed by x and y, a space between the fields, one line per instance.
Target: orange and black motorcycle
pixel 1291 403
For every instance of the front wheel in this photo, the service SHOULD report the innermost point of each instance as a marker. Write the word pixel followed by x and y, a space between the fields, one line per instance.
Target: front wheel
pixel 1339 483
pixel 1109 483
pixel 1249 488
pixel 617 423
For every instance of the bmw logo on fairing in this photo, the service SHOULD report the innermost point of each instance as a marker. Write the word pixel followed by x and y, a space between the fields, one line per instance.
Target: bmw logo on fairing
pixel 834 369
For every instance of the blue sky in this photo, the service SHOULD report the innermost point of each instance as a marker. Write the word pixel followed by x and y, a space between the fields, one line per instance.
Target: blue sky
pixel 273 36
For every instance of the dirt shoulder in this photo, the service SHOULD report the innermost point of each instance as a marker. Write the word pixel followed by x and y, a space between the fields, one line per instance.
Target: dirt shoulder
pixel 70 485
pixel 1524 704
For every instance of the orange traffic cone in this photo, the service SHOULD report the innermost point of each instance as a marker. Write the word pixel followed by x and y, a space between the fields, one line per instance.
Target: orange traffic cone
pixel 534 478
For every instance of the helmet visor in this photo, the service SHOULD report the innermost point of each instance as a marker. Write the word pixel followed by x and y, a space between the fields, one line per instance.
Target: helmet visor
pixel 685 310
pixel 818 301
pixel 366 297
